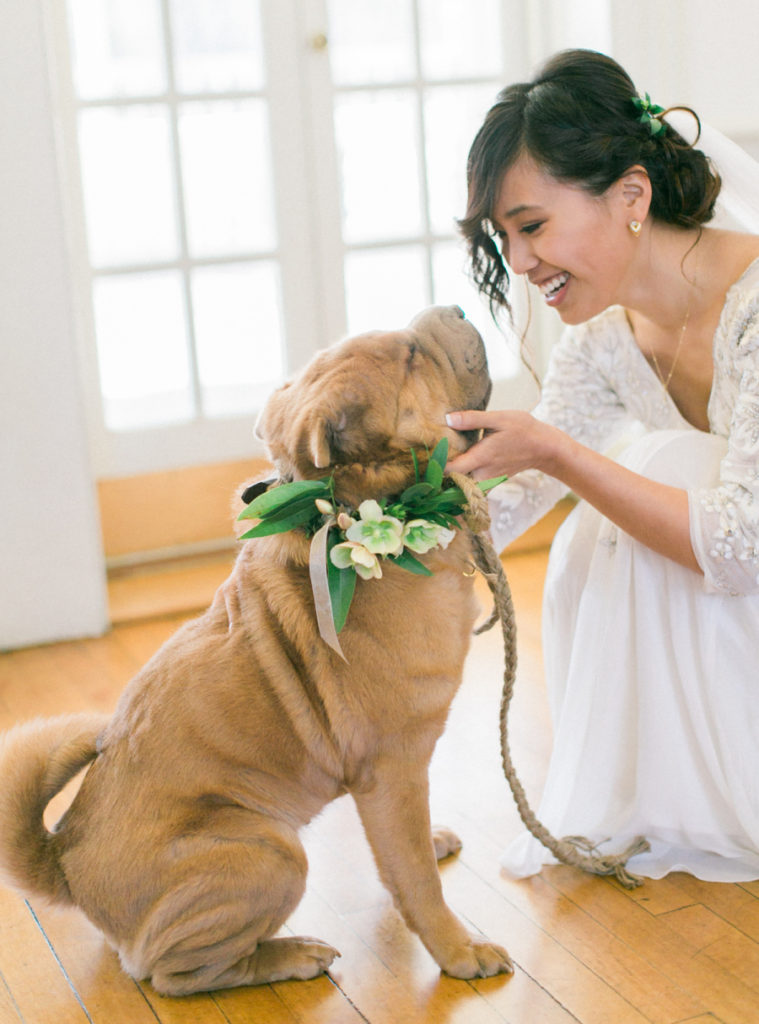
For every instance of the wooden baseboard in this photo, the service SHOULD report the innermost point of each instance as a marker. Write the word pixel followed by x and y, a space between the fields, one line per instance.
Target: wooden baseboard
pixel 155 515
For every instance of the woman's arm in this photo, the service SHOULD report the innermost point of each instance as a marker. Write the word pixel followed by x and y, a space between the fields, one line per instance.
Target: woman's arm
pixel 655 514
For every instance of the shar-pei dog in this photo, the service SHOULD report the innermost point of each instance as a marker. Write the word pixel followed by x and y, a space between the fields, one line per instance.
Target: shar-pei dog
pixel 182 843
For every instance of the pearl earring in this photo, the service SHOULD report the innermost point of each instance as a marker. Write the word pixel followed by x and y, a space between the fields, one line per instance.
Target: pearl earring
pixel 636 227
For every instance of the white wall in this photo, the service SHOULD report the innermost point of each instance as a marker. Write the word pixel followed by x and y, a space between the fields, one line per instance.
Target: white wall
pixel 51 565
pixel 696 52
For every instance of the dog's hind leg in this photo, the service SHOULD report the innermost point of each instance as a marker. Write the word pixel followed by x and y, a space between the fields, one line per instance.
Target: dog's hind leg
pixel 279 959
pixel 227 894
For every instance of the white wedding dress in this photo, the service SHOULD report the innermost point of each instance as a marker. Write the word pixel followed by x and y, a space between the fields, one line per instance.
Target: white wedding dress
pixel 652 670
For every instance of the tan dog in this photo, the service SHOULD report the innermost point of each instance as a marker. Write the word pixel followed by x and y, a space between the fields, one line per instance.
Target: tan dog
pixel 182 842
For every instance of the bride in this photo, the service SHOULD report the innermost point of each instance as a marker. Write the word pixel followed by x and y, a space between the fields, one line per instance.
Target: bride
pixel 650 414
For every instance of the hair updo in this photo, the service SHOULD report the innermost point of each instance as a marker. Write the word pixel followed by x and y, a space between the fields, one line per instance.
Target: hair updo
pixel 577 121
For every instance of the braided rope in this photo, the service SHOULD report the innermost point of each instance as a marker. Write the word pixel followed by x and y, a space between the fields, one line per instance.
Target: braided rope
pixel 576 851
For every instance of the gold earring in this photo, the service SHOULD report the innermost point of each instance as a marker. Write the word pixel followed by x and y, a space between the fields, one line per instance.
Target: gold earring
pixel 636 227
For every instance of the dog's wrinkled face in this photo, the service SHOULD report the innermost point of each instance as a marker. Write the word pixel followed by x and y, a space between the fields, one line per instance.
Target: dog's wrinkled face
pixel 377 394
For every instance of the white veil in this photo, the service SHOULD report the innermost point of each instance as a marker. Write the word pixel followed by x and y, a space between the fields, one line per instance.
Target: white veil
pixel 738 203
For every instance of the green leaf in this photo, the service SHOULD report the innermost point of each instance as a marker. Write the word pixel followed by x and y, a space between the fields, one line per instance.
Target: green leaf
pixel 342 585
pixel 411 564
pixel 440 454
pixel 434 474
pixel 272 500
pixel 488 485
pixel 292 508
pixel 436 465
pixel 280 523
pixel 416 492
pixel 415 460
pixel 450 496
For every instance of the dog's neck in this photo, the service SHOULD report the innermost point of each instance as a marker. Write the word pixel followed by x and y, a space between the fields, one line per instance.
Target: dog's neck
pixel 354 482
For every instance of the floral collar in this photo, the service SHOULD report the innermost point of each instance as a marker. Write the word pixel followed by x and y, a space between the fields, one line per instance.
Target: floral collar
pixel 347 543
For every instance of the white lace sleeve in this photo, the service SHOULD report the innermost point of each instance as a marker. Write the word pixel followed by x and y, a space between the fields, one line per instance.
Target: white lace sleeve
pixel 724 519
pixel 578 398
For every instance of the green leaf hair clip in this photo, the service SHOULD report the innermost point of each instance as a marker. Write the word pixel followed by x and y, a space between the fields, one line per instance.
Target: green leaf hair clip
pixel 649 113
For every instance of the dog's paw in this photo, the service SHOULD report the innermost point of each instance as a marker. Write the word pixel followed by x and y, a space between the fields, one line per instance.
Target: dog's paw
pixel 479 959
pixel 446 842
pixel 310 957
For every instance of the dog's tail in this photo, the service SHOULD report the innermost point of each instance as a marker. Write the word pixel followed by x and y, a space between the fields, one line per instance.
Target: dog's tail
pixel 37 759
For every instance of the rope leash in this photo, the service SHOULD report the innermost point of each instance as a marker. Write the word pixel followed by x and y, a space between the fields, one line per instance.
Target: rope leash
pixel 576 851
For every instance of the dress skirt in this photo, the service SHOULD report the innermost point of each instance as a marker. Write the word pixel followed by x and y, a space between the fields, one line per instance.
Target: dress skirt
pixel 653 686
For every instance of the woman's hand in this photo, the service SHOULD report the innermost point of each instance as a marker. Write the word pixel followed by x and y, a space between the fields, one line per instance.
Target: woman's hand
pixel 512 441
pixel 654 513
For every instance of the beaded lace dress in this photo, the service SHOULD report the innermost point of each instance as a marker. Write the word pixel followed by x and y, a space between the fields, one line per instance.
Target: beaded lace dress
pixel 652 669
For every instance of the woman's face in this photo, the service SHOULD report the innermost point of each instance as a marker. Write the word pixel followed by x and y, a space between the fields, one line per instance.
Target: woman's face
pixel 574 247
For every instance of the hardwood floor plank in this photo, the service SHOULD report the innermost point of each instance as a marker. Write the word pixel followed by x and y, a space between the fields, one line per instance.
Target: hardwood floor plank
pixel 9 1012
pixel 418 994
pixel 40 991
pixel 199 1009
pixel 320 1001
pixel 106 991
pixel 717 990
pixel 733 903
pixel 662 897
pixel 547 951
pixel 245 1005
pixel 719 943
pixel 705 1018
pixel 626 969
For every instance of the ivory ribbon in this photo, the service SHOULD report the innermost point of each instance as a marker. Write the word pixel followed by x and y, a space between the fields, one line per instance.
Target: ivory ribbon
pixel 317 568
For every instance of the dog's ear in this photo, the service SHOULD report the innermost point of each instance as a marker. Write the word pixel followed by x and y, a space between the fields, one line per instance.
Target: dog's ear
pixel 323 432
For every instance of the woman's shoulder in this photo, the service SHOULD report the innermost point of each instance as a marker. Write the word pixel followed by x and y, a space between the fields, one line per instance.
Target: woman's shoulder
pixel 741 307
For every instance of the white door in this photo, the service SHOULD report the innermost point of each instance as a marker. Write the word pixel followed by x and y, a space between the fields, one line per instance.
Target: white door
pixel 251 179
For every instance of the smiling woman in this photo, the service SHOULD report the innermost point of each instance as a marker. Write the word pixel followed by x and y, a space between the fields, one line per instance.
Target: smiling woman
pixel 648 414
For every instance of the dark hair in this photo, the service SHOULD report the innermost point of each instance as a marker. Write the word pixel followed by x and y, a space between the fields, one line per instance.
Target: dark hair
pixel 576 119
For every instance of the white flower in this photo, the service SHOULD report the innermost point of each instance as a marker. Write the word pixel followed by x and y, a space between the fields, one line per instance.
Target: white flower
pixel 378 533
pixel 420 535
pixel 351 555
pixel 324 506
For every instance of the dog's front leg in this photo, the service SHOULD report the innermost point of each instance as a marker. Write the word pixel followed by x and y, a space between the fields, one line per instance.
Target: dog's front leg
pixel 395 815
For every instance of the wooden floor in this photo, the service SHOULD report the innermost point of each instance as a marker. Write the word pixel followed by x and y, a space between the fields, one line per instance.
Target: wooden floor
pixel 585 949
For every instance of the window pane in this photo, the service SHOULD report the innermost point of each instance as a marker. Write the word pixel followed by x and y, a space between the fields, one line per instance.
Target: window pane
pixel 377 139
pixel 227 177
pixel 142 349
pixel 117 48
pixel 385 288
pixel 128 185
pixel 452 116
pixel 238 332
pixel 217 45
pixel 451 284
pixel 370 42
pixel 460 40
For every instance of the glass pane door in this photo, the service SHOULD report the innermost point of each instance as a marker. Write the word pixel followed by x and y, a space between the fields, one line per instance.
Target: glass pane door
pixel 173 121
pixel 411 82
pixel 249 191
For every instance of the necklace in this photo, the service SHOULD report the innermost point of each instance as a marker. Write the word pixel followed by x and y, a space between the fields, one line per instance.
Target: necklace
pixel 665 382
pixel 655 361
